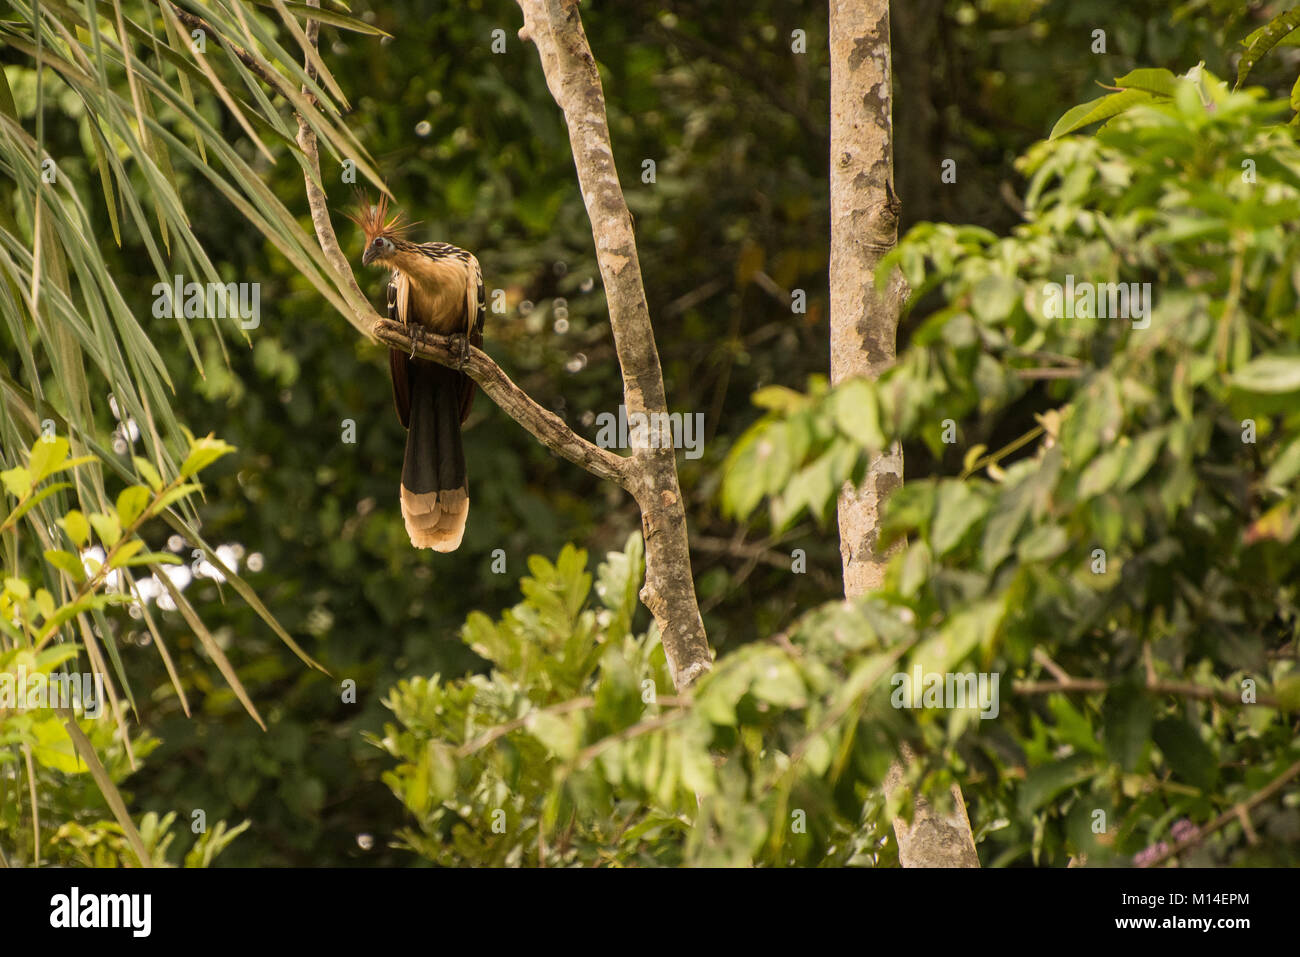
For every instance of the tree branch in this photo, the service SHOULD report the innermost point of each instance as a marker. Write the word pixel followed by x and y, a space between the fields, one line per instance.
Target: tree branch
pixel 547 427
pixel 669 592
pixel 316 200
pixel 1099 685
pixel 1236 812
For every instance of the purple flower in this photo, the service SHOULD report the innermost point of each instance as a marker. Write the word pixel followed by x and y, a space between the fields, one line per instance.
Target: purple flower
pixel 1148 854
pixel 1185 830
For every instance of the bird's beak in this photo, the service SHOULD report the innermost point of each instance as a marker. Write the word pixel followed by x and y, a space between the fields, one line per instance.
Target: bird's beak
pixel 368 256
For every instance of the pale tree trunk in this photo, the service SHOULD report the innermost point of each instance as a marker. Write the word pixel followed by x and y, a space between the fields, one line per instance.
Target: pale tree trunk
pixel 864 323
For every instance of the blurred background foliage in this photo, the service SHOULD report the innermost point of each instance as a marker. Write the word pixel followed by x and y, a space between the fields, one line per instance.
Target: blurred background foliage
pixel 470 143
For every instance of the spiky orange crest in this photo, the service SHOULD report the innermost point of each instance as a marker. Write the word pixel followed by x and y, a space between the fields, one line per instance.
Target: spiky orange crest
pixel 374 221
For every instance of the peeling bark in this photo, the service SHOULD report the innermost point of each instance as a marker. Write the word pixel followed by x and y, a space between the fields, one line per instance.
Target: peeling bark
pixel 864 325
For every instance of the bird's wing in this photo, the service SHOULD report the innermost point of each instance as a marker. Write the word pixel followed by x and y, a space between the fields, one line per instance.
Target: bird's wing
pixel 398 363
pixel 475 307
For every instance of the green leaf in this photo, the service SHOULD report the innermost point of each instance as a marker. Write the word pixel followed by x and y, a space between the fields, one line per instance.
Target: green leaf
pixel 148 558
pixel 560 734
pixel 958 507
pixel 993 298
pixel 150 474
pixel 177 493
pixel 45 603
pixel 1126 721
pixel 53 748
pixel 47 455
pixel 1160 81
pixel 107 527
pixel 856 411
pixel 1004 524
pixel 1139 457
pixel 1286 466
pixel 124 552
pixel 965 632
pixel 66 562
pixel 1188 756
pixel 1269 374
pixel 1266 38
pixel 1094 111
pixel 131 503
pixel 1043 544
pixel 1044 783
pixel 1102 473
pixel 743 477
pixel 17 480
pixel 779 398
pixel 203 452
pixel 76 526
pixel 332 18
pixel 35 500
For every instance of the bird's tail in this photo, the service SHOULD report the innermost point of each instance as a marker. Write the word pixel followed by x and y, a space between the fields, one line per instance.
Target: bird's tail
pixel 435 496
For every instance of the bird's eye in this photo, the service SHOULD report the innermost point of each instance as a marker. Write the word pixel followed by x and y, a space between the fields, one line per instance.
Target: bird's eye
pixel 379 241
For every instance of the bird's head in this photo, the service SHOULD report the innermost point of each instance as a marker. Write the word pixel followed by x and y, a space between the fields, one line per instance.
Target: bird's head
pixel 382 232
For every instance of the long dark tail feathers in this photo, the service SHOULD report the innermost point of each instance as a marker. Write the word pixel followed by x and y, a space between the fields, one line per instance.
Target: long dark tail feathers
pixel 435 495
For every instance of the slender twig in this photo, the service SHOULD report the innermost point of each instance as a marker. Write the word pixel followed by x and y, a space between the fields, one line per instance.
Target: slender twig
pixel 196 22
pixel 1100 686
pixel 1003 452
pixel 1049 373
pixel 634 731
pixel 1238 811
pixel 316 199
pixel 1044 659
pixel 501 730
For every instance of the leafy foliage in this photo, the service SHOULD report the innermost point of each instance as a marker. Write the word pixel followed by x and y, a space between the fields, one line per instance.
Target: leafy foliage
pixel 1142 534
pixel 468 140
pixel 573 751
pixel 39 696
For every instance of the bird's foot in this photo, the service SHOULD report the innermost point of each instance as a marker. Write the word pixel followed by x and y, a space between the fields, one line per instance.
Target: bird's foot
pixel 460 344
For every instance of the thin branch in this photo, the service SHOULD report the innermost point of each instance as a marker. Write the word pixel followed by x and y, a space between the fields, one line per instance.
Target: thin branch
pixel 1049 372
pixel 501 730
pixel 627 734
pixel 696 296
pixel 1100 686
pixel 1236 812
pixel 555 27
pixel 196 22
pixel 329 244
pixel 316 199
pixel 547 427
pixel 1044 659
pixel 564 707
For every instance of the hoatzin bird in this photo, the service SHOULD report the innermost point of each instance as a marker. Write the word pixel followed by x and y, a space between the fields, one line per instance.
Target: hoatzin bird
pixel 439 288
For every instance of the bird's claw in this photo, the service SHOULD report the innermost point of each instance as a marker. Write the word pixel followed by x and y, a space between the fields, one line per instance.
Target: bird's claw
pixel 461 345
